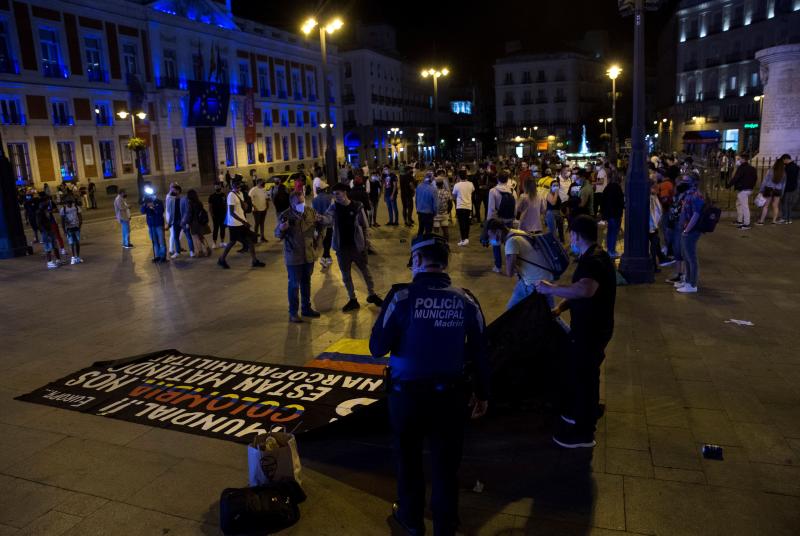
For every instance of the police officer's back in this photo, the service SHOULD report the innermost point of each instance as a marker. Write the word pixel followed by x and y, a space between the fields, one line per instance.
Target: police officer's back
pixel 434 333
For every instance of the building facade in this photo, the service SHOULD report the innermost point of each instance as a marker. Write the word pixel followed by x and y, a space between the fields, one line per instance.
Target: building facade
pixel 387 104
pixel 213 92
pixel 718 86
pixel 542 100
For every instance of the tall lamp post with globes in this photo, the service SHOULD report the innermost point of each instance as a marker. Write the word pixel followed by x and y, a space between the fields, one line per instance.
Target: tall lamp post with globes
pixel 636 265
pixel 613 72
pixel 435 74
pixel 330 143
pixel 136 147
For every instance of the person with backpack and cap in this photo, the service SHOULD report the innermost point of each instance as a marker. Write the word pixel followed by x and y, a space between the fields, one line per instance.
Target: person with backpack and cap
pixel 153 209
pixel 502 206
pixel 523 259
pixel 435 336
pixel 350 241
pixel 238 227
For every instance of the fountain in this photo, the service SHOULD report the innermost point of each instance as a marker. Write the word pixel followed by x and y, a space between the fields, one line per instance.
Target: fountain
pixel 584 144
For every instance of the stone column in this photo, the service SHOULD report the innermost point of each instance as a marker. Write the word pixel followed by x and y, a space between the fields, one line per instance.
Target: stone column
pixel 780 115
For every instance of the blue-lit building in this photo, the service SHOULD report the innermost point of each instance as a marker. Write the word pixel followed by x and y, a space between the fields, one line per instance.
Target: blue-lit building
pixel 216 92
pixel 717 80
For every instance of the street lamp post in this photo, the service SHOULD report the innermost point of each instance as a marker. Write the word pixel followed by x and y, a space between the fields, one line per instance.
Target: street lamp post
pixel 330 142
pixel 395 140
pixel 123 114
pixel 636 265
pixel 435 74
pixel 613 72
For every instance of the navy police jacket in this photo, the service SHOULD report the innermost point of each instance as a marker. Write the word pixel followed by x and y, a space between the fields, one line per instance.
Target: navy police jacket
pixel 433 331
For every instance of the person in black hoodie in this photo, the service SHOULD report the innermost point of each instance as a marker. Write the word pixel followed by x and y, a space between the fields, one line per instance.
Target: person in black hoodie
pixel 790 191
pixel 613 206
pixel 743 181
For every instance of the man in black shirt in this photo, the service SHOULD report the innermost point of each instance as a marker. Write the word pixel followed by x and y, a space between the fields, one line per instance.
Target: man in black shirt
pixel 350 241
pixel 743 181
pixel 590 300
pixel 407 185
pixel 790 191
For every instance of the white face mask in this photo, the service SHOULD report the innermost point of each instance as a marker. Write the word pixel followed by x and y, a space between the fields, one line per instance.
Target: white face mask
pixel 300 207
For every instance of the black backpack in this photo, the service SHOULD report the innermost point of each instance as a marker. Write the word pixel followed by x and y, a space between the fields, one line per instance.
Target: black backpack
pixel 262 509
pixel 709 218
pixel 553 251
pixel 507 207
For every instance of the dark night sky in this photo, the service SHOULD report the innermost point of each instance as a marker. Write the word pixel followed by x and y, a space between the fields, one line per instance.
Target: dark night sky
pixel 466 35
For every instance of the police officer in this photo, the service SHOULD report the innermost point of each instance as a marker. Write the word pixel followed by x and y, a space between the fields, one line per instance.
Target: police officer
pixel 435 333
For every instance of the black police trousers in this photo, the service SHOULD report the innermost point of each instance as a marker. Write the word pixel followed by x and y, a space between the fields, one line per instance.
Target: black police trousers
pixel 440 417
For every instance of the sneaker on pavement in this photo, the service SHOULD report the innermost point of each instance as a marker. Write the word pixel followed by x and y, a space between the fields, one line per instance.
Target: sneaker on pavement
pixel 375 300
pixel 311 313
pixel 73 260
pixel 674 279
pixel 174 255
pixel 679 284
pixel 495 269
pixel 779 221
pixel 737 223
pixel 687 289
pixel 759 223
pixel 466 242
pixel 460 242
pixel 745 227
pixel 352 305
pixel 569 438
pixel 52 264
pixel 224 264
pixel 668 262
pixel 79 259
pixel 191 253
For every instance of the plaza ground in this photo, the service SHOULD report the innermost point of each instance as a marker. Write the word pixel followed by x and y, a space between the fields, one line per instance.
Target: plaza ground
pixel 677 376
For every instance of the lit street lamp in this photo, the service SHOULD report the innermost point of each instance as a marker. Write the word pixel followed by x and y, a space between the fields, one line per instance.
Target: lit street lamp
pixel 395 140
pixel 123 114
pixel 330 143
pixel 435 74
pixel 613 72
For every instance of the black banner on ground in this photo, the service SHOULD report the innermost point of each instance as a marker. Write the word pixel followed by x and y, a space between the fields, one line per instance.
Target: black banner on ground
pixel 211 396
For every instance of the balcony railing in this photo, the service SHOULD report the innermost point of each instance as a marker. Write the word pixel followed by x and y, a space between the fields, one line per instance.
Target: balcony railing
pixel 713 62
pixel 263 91
pixel 312 98
pixel 690 66
pixel 63 120
pixel 12 119
pixel 282 94
pixel 52 69
pixel 298 95
pixel 95 74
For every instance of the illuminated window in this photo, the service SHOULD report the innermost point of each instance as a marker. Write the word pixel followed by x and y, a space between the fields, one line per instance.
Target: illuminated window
pixel 102 114
pixel 10 111
pixel 297 84
pixel 300 152
pixel 107 158
pixel 284 118
pixel 268 142
pixel 244 75
pixel 61 115
pixel 129 59
pixel 251 153
pixel 285 144
pixel 20 162
pixel 51 54
pixel 66 159
pixel 263 80
pixel 229 152
pixel 311 85
pixel 94 59
pixel 280 81
pixel 170 78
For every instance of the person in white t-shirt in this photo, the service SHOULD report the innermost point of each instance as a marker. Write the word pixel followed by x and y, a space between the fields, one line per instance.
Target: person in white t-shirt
pixel 522 259
pixel 462 192
pixel 238 227
pixel 260 200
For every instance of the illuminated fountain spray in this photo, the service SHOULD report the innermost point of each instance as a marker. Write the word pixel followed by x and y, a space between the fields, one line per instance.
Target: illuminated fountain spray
pixel 584 144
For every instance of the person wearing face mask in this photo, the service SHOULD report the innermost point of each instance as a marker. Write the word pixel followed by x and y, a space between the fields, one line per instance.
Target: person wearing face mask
pixel 426 197
pixel 375 189
pixel 502 206
pixel 238 227
pixel 590 298
pixel 123 214
pixel 613 207
pixel 350 242
pixel 217 207
pixel 743 181
pixel 298 228
pixel 675 226
pixel 433 333
pixel 390 191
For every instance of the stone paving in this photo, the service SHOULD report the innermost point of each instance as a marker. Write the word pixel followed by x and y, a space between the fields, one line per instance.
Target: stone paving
pixel 677 376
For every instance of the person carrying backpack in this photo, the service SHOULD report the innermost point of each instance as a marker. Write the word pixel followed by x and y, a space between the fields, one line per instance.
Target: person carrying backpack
pixel 523 259
pixel 502 206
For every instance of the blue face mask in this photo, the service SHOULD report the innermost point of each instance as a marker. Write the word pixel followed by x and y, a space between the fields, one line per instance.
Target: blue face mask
pixel 574 249
pixel 494 242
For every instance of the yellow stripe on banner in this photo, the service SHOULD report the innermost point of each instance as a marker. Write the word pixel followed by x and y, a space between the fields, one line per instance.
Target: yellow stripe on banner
pixel 350 346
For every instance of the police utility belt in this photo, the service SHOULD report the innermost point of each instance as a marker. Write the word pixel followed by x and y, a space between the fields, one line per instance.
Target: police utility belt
pixel 426 385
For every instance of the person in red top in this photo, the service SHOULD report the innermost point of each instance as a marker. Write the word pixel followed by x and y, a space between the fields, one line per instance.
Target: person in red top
pixel 524 176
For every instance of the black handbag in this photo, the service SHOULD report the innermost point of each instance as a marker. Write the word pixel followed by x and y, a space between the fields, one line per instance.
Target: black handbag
pixel 261 509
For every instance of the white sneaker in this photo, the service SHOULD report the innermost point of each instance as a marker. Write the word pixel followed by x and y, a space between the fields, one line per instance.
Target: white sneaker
pixel 191 253
pixel 174 255
pixel 687 289
pixel 679 284
pixel 495 269
pixel 52 264
pixel 73 260
pixel 466 242
pixel 460 242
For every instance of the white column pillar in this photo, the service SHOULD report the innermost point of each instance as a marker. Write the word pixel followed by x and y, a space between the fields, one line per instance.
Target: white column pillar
pixel 780 116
